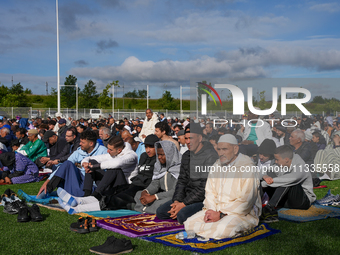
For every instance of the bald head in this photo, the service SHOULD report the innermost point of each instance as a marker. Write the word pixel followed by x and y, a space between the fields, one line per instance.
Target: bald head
pixel 126 135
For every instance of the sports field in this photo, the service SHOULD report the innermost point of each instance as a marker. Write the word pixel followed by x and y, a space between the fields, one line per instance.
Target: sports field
pixel 52 236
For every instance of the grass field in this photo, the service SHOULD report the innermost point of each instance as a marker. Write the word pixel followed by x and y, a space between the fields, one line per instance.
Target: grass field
pixel 52 236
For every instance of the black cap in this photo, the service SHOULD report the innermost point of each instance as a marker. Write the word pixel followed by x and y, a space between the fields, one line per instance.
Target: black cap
pixel 267 147
pixel 151 140
pixel 47 135
pixel 195 128
pixel 281 128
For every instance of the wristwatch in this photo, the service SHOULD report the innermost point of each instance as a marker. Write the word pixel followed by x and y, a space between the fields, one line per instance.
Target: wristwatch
pixel 221 215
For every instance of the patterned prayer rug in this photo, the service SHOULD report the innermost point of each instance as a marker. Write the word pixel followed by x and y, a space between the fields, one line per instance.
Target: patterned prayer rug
pixel 139 225
pixel 99 215
pixel 194 245
pixel 315 212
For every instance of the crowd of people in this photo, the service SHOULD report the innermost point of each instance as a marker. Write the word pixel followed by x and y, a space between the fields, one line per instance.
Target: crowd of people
pixel 192 170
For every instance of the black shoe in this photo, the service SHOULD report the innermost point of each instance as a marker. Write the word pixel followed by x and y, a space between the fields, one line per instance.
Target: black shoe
pixel 269 214
pixel 113 246
pixel 23 215
pixel 92 224
pixel 12 207
pixel 35 213
pixel 81 226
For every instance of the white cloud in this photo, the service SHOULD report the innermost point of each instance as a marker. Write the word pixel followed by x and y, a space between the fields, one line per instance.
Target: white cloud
pixel 326 7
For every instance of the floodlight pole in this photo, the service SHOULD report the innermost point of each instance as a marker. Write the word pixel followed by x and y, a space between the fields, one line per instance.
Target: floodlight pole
pixel 58 65
pixel 147 96
pixel 113 100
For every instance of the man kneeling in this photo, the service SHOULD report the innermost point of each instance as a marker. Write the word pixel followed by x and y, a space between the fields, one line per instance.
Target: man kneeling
pixel 232 202
pixel 292 187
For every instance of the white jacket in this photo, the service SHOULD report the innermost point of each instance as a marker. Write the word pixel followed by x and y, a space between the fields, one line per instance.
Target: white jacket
pixel 126 160
pixel 148 126
pixel 262 132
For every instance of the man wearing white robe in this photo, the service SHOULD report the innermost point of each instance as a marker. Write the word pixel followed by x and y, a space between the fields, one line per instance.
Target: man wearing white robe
pixel 232 202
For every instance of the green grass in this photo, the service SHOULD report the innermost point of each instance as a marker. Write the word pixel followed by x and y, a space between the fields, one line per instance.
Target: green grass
pixel 53 236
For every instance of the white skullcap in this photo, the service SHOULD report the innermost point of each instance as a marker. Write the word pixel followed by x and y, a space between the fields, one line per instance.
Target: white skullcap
pixel 228 138
pixel 308 135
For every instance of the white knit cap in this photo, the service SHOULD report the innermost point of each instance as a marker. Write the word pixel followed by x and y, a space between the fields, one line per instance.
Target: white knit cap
pixel 228 138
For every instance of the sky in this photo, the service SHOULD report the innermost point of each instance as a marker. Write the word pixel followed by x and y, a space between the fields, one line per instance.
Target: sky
pixel 166 43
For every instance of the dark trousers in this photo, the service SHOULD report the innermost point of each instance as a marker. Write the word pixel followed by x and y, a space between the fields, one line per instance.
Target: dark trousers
pixel 14 174
pixel 182 215
pixel 249 149
pixel 292 197
pixel 124 199
pixel 105 180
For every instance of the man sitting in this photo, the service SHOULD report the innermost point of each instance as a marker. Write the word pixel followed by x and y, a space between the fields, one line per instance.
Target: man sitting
pixel 105 135
pixel 73 143
pixel 110 170
pixel 301 147
pixel 21 136
pixel 56 146
pixel 35 148
pixel 292 187
pixel 190 188
pixel 232 202
pixel 62 128
pixel 164 179
pixel 162 130
pixel 68 174
pixel 121 200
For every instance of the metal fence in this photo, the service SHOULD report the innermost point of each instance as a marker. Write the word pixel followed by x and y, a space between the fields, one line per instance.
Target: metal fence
pixel 29 112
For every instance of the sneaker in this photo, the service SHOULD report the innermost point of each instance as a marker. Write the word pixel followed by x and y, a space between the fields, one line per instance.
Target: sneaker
pixel 81 226
pixel 92 224
pixel 113 246
pixel 35 213
pixel 12 207
pixel 328 200
pixel 269 214
pixel 23 215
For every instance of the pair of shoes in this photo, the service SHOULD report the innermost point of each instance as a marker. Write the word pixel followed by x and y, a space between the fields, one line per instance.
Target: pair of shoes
pixel 84 225
pixel 14 207
pixel 112 246
pixel 30 214
pixel 269 214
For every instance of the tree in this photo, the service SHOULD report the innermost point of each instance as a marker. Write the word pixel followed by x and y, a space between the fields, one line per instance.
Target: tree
pixel 105 99
pixel 88 97
pixel 28 91
pixel 131 94
pixel 15 97
pixel 3 91
pixel 68 94
pixel 318 100
pixel 16 89
pixel 142 93
pixel 136 94
pixel 167 101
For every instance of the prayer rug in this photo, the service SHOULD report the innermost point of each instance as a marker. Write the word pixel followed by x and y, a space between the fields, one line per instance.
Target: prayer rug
pixel 108 214
pixel 315 212
pixel 212 245
pixel 33 199
pixel 139 225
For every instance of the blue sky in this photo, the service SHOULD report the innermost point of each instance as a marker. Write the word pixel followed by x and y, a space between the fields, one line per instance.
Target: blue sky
pixel 141 42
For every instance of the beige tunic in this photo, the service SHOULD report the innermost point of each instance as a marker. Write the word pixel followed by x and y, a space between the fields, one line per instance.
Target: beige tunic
pixel 233 193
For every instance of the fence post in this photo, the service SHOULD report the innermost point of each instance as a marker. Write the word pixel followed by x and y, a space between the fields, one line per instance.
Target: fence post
pixel 134 114
pixel 225 114
pixel 30 113
pixel 118 114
